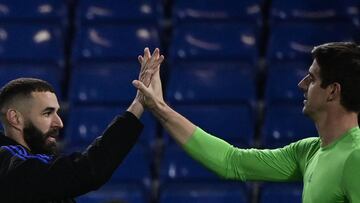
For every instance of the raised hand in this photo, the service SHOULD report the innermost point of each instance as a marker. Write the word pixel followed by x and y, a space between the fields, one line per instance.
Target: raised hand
pixel 149 65
pixel 149 83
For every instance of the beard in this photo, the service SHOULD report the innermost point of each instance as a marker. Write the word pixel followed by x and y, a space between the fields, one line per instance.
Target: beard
pixel 38 141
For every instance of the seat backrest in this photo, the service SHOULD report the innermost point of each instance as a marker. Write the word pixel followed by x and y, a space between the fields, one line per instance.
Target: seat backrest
pixel 109 43
pixel 114 11
pixel 284 124
pixel 38 11
pixel 32 44
pixel 103 83
pixel 185 11
pixel 214 41
pixel 282 85
pixel 294 41
pixel 211 83
pixel 204 192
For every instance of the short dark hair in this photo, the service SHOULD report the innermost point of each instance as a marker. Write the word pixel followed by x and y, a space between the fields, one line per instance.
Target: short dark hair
pixel 340 62
pixel 22 87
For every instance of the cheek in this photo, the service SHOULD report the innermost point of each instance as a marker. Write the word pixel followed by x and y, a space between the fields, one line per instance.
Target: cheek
pixel 43 124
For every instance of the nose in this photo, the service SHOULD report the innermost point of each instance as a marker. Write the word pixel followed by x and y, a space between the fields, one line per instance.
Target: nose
pixel 302 84
pixel 58 122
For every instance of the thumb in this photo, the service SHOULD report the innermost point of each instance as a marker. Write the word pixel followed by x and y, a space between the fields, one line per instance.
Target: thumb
pixel 140 86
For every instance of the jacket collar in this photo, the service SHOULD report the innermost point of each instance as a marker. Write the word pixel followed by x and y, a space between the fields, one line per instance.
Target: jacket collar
pixel 6 141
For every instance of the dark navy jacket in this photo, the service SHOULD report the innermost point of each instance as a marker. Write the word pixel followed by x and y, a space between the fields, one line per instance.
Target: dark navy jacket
pixel 28 178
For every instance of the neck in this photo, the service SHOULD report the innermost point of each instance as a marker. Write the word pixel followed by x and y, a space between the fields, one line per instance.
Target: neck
pixel 16 136
pixel 331 126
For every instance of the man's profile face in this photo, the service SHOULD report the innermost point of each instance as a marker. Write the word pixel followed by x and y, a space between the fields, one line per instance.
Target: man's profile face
pixel 42 123
pixel 314 95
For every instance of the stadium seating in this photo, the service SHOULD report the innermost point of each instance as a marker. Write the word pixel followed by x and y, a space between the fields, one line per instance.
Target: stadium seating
pixel 44 44
pixel 214 41
pixel 185 11
pixel 116 193
pixel 49 74
pixel 109 43
pixel 204 192
pixel 284 124
pixel 34 11
pixel 135 168
pixel 290 41
pixel 113 11
pixel 312 10
pixel 224 60
pixel 176 166
pixel 85 123
pixel 282 85
pixel 103 83
pixel 211 83
pixel 234 123
pixel 281 193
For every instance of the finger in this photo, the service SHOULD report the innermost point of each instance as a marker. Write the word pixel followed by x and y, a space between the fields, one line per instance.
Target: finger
pixel 154 56
pixel 140 59
pixel 161 59
pixel 147 54
pixel 156 53
pixel 158 62
pixel 141 87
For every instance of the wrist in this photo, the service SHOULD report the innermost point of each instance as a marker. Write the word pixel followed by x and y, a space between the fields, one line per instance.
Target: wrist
pixel 136 108
pixel 161 111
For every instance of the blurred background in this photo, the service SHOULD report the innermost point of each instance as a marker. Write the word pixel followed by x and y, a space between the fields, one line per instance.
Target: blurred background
pixel 232 67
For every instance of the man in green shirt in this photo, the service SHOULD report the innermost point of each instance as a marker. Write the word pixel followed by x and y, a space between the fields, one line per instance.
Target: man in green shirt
pixel 328 165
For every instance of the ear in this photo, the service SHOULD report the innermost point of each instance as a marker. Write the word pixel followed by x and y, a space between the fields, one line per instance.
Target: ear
pixel 15 118
pixel 334 91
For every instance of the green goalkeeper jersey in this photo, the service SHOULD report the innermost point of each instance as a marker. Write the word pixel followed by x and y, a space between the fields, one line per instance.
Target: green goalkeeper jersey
pixel 330 174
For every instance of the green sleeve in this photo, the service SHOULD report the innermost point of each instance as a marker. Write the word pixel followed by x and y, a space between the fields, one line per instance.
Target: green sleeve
pixel 351 177
pixel 281 164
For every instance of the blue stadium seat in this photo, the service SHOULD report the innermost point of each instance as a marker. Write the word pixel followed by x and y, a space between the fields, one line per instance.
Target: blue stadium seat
pixel 114 11
pixel 213 10
pixel 281 193
pixel 44 11
pixel 282 85
pixel 312 10
pixel 295 41
pixel 178 166
pixel 31 44
pixel 211 83
pixel 109 43
pixel 233 123
pixel 49 74
pixel 135 168
pixel 204 192
pixel 284 124
pixel 85 123
pixel 103 83
pixel 214 41
pixel 116 193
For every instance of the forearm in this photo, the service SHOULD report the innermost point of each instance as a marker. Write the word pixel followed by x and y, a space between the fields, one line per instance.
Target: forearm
pixel 211 152
pixel 175 124
pixel 242 164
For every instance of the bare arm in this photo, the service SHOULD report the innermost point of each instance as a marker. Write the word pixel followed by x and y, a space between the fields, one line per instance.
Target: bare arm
pixel 178 126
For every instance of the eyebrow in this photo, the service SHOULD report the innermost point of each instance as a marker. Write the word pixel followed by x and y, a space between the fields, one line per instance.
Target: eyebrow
pixel 52 109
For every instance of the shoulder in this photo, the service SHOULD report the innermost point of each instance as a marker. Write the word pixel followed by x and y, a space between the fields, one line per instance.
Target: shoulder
pixel 307 143
pixel 18 152
pixel 353 158
pixel 305 149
